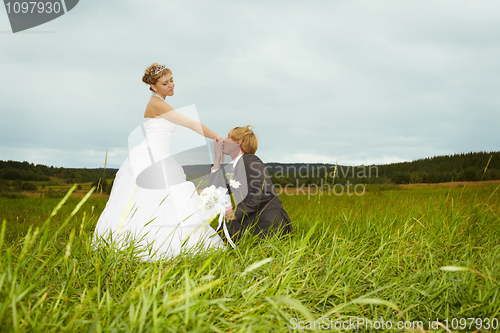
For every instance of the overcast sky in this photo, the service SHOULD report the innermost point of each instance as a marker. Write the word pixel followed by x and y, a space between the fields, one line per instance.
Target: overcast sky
pixel 364 82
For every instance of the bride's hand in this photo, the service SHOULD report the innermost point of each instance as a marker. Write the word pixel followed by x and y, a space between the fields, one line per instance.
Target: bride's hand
pixel 218 138
pixel 219 156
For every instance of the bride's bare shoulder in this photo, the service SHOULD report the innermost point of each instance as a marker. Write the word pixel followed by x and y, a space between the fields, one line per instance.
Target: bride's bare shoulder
pixel 156 107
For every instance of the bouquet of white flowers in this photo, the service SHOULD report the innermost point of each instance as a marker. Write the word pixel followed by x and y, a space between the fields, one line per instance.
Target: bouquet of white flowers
pixel 213 201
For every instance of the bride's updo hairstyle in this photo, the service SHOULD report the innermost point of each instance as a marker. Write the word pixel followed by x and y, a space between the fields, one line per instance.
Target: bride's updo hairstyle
pixel 153 73
pixel 245 135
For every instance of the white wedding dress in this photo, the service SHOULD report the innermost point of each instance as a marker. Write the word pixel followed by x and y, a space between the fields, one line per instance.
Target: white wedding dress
pixel 152 203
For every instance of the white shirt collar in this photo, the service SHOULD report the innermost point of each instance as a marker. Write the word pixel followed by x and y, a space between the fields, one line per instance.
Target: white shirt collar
pixel 236 160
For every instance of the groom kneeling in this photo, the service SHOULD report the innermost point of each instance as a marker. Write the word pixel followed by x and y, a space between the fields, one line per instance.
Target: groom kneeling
pixel 258 207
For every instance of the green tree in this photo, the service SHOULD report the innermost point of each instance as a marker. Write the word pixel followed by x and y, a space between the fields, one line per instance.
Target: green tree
pixel 27 186
pixel 401 177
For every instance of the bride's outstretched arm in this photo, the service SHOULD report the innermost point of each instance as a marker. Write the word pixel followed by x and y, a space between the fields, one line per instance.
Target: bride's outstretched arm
pixel 181 120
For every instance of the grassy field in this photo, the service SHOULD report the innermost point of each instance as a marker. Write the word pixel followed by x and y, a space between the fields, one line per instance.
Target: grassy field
pixel 424 257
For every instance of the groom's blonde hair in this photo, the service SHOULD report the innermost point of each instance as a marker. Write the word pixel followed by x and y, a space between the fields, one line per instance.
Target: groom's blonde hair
pixel 244 135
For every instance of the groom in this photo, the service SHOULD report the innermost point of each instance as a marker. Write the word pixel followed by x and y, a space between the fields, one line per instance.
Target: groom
pixel 258 208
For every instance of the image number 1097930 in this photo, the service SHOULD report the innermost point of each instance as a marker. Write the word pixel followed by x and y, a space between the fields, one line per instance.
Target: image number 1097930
pixel 25 15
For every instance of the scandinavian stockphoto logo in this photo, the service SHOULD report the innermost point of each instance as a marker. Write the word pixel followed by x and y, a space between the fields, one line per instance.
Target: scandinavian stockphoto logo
pixel 158 163
pixel 164 166
pixel 25 15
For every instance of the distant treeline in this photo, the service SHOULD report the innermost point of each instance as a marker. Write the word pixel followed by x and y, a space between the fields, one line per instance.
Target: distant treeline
pixel 459 167
pixel 25 171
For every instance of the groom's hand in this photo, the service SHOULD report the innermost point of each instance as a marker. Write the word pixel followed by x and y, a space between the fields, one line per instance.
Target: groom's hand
pixel 230 214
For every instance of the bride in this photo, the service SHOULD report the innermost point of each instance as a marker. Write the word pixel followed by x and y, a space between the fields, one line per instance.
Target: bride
pixel 151 202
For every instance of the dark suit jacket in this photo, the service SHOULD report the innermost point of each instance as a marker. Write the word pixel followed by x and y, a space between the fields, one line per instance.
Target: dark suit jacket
pixel 258 207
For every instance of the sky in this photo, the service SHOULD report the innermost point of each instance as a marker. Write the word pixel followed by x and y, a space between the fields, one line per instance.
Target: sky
pixel 358 82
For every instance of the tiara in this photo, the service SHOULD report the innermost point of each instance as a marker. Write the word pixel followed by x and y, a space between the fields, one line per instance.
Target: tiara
pixel 159 68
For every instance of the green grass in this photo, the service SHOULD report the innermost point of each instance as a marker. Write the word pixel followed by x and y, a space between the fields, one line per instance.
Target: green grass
pixel 376 256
